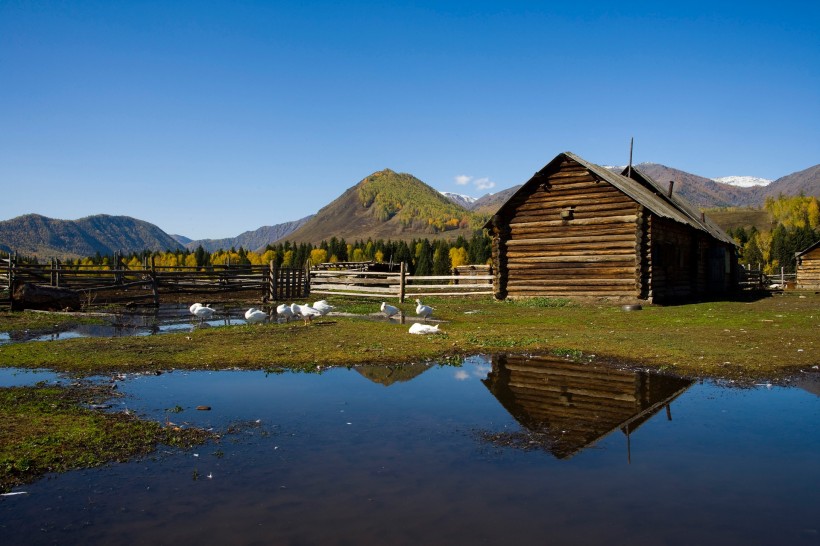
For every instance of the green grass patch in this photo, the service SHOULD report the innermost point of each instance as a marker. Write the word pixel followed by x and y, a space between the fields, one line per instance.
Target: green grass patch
pixel 764 338
pixel 50 429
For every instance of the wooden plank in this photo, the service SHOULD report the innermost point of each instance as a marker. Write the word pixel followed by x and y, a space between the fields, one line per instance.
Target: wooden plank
pixel 627 219
pixel 579 258
pixel 474 293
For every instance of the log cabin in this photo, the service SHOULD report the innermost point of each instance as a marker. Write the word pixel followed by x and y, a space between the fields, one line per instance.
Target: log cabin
pixel 808 268
pixel 577 229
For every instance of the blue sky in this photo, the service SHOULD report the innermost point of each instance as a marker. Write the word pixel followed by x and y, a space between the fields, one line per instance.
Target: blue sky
pixel 213 118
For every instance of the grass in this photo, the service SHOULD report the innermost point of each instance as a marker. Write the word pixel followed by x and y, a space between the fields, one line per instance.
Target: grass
pixel 764 338
pixel 50 429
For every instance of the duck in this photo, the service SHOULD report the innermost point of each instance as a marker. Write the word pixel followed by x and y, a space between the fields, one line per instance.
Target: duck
pixel 323 307
pixel 284 310
pixel 254 315
pixel 419 328
pixel 389 310
pixel 424 311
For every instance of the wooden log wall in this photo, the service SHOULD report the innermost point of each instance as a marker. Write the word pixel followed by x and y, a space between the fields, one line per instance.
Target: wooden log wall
pixel 674 262
pixel 808 270
pixel 572 235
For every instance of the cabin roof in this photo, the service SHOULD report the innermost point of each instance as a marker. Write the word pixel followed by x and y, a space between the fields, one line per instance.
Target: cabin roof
pixel 807 250
pixel 645 192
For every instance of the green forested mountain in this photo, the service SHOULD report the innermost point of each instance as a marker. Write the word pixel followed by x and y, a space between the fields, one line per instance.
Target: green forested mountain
pixel 35 235
pixel 389 205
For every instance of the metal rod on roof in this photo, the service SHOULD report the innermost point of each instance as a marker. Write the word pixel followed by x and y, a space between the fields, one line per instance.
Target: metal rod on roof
pixel 629 169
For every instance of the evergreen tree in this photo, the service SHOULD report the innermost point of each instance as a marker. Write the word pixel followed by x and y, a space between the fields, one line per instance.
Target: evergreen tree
pixel 441 259
pixel 424 259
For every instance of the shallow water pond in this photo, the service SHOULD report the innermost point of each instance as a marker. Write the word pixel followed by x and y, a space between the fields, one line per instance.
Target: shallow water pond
pixel 509 450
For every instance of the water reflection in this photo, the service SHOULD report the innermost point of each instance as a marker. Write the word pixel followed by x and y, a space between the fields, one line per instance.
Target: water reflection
pixel 566 407
pixel 336 458
pixel 165 319
pixel 388 375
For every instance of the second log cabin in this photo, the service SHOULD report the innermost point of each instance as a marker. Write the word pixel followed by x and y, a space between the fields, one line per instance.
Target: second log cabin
pixel 579 229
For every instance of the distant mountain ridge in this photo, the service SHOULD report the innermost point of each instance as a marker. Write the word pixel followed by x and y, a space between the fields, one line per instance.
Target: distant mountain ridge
pixel 707 193
pixel 257 239
pixel 36 235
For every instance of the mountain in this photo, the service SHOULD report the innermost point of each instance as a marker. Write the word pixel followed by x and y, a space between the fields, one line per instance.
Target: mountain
pixel 35 235
pixel 462 200
pixel 250 240
pixel 181 239
pixel 706 193
pixel 388 205
pixel 806 182
pixel 491 202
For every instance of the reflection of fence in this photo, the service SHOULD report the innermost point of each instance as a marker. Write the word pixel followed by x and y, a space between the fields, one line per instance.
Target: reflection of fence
pixel 381 282
pixel 119 283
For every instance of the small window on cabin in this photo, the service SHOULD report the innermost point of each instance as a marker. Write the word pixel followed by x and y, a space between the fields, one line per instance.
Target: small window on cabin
pixel 567 213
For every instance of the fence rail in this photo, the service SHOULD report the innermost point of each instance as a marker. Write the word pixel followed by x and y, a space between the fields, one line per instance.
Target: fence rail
pixel 465 280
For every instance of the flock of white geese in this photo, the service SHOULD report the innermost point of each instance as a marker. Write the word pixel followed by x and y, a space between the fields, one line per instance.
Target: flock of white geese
pixel 319 309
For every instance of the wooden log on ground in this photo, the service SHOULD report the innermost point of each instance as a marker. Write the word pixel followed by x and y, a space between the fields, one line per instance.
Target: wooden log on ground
pixel 46 298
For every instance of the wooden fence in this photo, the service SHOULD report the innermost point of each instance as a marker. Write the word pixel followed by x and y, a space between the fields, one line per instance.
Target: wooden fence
pixel 341 280
pixel 755 279
pixel 119 283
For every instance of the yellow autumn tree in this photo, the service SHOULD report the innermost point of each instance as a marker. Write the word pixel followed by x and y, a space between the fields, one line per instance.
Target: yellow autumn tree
pixel 459 256
pixel 318 256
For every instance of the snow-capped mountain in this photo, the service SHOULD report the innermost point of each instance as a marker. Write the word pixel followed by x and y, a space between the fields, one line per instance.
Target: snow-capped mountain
pixel 743 181
pixel 464 200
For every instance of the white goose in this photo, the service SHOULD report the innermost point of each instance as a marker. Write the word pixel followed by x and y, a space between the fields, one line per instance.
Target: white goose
pixel 323 307
pixel 284 310
pixel 389 310
pixel 194 307
pixel 419 328
pixel 203 312
pixel 424 311
pixel 254 315
pixel 305 311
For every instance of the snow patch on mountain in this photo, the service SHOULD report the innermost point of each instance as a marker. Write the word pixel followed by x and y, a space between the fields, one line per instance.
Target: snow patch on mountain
pixel 743 181
pixel 464 200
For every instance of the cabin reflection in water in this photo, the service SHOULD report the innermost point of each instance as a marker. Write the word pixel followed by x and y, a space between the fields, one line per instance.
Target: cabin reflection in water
pixel 566 407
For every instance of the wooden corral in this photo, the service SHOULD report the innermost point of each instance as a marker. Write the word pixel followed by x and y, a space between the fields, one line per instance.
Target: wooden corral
pixel 151 284
pixel 571 406
pixel 579 229
pixel 808 268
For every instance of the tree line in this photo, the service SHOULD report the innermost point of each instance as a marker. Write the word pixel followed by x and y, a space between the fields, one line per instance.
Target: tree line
pixel 422 256
pixel 795 227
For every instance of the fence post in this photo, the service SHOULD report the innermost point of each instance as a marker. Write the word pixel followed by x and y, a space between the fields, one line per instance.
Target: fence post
pixel 57 273
pixel 306 272
pixel 154 282
pixel 273 278
pixel 402 274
